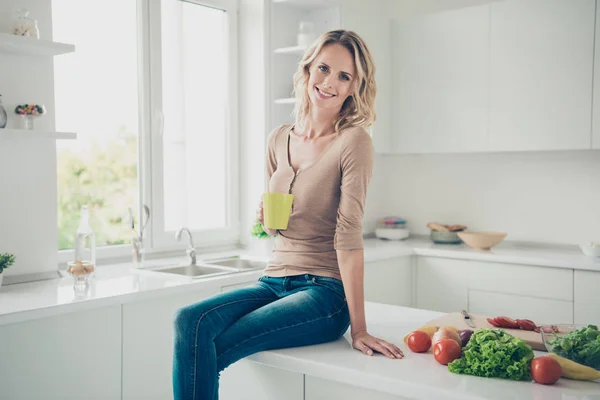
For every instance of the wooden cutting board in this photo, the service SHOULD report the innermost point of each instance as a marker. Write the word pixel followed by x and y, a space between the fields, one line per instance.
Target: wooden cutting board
pixel 457 320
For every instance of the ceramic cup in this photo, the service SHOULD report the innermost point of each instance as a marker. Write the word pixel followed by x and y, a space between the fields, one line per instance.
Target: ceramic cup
pixel 277 208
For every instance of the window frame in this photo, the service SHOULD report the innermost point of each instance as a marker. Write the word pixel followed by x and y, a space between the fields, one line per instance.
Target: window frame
pixel 150 146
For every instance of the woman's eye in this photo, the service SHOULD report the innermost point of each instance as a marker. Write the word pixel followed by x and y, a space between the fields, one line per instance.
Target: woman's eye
pixel 344 77
pixel 322 68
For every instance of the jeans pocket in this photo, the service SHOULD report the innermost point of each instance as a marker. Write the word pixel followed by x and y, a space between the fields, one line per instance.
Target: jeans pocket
pixel 332 284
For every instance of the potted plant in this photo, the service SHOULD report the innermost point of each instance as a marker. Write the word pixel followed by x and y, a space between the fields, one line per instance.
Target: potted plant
pixel 6 260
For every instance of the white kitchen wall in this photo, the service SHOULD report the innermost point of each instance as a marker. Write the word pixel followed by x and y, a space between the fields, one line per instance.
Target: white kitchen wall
pixel 549 197
pixel 28 203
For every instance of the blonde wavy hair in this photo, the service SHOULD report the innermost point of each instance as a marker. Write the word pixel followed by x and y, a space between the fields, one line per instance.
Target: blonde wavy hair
pixel 359 108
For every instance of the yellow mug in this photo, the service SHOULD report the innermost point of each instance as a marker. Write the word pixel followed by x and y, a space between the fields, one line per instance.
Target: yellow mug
pixel 277 208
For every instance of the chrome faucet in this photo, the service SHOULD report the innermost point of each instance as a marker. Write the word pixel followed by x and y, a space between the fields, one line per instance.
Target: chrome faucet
pixel 191 250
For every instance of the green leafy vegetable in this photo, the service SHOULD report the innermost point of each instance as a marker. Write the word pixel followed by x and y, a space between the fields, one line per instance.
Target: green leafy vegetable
pixel 581 346
pixel 258 231
pixel 494 353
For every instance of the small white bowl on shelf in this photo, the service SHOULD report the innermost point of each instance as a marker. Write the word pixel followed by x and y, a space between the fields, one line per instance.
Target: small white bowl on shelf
pixel 591 249
pixel 391 233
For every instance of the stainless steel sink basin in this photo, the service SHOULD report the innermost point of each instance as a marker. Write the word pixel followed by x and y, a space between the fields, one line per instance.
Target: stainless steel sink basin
pixel 239 263
pixel 197 271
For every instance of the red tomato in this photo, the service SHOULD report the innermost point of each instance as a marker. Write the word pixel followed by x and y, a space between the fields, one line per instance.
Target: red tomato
pixel 418 342
pixel 446 350
pixel 509 322
pixel 545 370
pixel 493 322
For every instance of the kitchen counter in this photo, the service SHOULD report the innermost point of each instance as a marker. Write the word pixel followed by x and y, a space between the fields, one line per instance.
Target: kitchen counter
pixel 120 283
pixel 416 376
pixel 506 252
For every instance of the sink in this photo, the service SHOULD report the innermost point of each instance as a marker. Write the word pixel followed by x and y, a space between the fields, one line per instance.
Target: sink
pixel 237 262
pixel 197 271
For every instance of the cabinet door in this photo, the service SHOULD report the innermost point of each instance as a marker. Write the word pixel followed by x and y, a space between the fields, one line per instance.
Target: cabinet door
pixel 322 389
pixel 247 379
pixel 389 281
pixel 525 280
pixel 440 75
pixel 69 356
pixel 539 310
pixel 541 57
pixel 148 345
pixel 442 284
pixel 596 110
pixel 587 300
pixel 359 16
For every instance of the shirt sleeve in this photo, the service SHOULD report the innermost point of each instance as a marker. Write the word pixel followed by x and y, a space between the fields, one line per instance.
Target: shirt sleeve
pixel 357 168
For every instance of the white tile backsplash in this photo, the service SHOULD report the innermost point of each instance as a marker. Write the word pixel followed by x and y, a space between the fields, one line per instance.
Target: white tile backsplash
pixel 533 196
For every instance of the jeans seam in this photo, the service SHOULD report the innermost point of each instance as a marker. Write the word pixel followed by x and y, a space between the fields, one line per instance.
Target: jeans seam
pixel 280 329
pixel 196 336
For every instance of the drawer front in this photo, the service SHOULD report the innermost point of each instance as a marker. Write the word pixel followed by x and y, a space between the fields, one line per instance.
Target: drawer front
pixel 587 284
pixel 524 280
pixel 442 284
pixel 539 310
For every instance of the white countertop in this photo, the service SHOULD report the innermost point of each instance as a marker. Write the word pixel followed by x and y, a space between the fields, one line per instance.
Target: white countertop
pixel 120 283
pixel 416 376
pixel 506 252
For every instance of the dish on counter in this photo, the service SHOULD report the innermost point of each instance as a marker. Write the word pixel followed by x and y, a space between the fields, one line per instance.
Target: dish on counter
pixel 481 240
pixel 591 249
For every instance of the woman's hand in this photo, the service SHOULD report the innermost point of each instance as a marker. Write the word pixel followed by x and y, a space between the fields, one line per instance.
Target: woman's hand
pixel 367 344
pixel 260 215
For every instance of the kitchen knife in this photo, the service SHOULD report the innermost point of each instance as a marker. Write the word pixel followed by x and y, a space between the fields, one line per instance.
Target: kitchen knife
pixel 468 319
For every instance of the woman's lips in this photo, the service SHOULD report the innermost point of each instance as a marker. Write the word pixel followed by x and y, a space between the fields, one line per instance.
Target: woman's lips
pixel 323 95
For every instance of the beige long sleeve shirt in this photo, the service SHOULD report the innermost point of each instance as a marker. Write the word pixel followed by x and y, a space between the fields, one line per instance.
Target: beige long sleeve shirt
pixel 329 201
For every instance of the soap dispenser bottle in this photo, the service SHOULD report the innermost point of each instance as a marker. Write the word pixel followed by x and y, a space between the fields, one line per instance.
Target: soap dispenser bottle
pixel 84 264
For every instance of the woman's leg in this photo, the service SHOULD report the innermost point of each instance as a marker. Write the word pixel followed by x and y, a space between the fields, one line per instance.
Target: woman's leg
pixel 194 357
pixel 312 310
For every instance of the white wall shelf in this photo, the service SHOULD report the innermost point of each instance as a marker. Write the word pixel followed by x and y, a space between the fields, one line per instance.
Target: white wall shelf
pixel 24 46
pixel 307 4
pixel 35 134
pixel 295 50
pixel 289 100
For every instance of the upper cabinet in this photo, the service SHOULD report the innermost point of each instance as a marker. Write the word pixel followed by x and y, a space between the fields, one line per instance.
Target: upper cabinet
pixel 359 16
pixel 541 69
pixel 513 75
pixel 596 101
pixel 441 75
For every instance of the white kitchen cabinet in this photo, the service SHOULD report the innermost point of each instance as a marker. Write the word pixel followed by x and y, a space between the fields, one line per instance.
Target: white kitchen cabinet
pixel 148 345
pixel 247 379
pixel 442 284
pixel 596 94
pixel 542 294
pixel 390 281
pixel 525 280
pixel 64 357
pixel 541 58
pixel 323 389
pixel 587 300
pixel 539 310
pixel 359 16
pixel 441 75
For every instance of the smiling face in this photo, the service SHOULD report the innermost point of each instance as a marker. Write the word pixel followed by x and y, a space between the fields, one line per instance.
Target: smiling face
pixel 332 77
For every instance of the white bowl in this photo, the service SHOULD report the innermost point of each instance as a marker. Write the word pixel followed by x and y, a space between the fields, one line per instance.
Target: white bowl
pixel 392 234
pixel 590 249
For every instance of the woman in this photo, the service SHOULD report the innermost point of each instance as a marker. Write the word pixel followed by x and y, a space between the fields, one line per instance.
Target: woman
pixel 312 288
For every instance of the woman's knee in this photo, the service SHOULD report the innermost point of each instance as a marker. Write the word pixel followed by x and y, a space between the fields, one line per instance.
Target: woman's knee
pixel 188 319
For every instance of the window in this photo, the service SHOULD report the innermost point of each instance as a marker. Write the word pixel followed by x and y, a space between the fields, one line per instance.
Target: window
pixel 153 101
pixel 96 96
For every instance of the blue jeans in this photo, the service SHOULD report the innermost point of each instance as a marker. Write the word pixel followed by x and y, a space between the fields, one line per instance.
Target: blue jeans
pixel 273 313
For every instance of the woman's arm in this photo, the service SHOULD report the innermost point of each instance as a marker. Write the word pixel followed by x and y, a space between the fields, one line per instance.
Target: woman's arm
pixel 351 264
